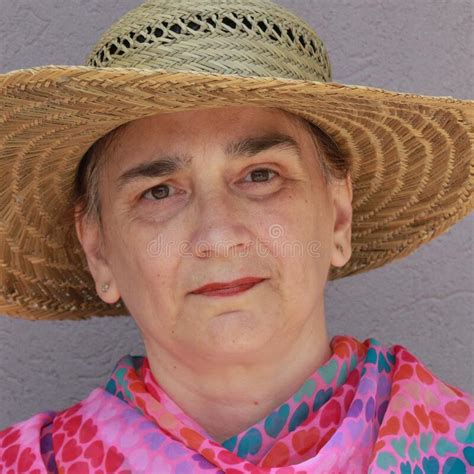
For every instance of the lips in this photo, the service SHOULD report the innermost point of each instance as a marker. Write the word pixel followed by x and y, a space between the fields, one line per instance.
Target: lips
pixel 237 285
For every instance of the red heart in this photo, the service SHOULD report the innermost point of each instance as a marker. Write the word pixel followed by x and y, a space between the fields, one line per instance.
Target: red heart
pixel 10 454
pixel 439 423
pixel 457 410
pixel 10 437
pixel 410 424
pixel 113 459
pixel 304 440
pixel 391 427
pixel 228 457
pixel 405 371
pixel 27 458
pixel 421 414
pixel 278 456
pixel 331 413
pixel 58 440
pixel 424 375
pixel 72 425
pixel 71 450
pixel 95 452
pixel 88 431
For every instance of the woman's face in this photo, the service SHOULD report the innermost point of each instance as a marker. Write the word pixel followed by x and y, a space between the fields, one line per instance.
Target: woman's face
pixel 220 214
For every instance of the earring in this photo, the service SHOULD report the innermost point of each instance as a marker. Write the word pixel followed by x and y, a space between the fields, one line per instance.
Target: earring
pixel 105 287
pixel 339 247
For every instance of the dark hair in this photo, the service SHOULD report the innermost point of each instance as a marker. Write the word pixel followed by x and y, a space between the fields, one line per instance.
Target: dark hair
pixel 85 194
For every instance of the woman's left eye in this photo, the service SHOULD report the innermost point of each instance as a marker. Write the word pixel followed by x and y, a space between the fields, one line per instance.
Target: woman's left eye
pixel 261 174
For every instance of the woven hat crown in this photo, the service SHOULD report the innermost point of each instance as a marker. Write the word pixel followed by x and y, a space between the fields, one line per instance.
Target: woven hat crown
pixel 243 37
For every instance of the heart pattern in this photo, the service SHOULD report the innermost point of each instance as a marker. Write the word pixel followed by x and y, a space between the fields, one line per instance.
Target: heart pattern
pixel 367 405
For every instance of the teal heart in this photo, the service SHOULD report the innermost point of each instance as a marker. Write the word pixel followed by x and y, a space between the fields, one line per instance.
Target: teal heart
pixel 391 357
pixel 275 422
pixel 374 342
pixel 425 441
pixel 328 371
pixel 321 398
pixel 468 452
pixel 230 443
pixel 353 362
pixel 405 468
pixel 444 446
pixel 371 356
pixel 413 452
pixel 454 466
pixel 251 443
pixel 307 389
pixel 342 374
pixel 120 374
pixel 399 446
pixel 430 465
pixel 385 460
pixel 300 415
pixel 383 364
pixel 466 436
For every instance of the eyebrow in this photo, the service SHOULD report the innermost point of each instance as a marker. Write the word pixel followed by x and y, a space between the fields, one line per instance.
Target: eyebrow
pixel 243 148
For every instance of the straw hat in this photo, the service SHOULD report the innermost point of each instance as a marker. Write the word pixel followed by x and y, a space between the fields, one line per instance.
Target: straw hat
pixel 412 155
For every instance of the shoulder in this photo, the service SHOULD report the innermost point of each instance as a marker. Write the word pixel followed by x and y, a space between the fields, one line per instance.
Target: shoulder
pixel 27 446
pixel 20 444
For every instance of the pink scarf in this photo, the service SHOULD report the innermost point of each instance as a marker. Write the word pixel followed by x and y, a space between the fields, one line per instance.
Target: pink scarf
pixel 369 408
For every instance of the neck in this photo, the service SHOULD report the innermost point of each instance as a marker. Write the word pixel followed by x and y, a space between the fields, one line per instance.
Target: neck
pixel 226 401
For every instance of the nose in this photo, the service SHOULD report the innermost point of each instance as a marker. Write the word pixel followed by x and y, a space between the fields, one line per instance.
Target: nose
pixel 222 226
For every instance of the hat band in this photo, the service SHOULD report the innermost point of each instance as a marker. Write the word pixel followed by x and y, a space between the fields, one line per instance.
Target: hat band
pixel 220 44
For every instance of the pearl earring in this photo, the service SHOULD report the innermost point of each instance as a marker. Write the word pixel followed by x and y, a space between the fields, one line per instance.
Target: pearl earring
pixel 105 287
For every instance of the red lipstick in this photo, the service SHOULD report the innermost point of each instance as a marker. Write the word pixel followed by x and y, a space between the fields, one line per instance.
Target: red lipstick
pixel 228 288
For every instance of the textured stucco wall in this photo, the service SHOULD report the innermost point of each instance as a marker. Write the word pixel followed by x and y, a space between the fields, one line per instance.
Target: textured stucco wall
pixel 421 302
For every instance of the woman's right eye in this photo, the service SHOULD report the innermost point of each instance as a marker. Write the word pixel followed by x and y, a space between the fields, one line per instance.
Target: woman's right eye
pixel 158 193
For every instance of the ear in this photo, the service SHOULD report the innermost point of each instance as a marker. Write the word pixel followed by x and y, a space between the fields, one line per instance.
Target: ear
pixel 92 241
pixel 342 202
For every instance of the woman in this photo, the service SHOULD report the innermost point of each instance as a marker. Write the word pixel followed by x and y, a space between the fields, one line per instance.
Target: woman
pixel 214 212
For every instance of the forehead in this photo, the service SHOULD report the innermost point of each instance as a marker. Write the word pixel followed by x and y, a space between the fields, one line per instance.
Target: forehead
pixel 216 125
pixel 192 135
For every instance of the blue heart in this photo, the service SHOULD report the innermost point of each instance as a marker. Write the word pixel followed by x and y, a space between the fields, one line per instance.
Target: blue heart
pixel 405 468
pixel 342 374
pixel 300 415
pixel 251 442
pixel 385 460
pixel 425 441
pixel 413 452
pixel 468 452
pixel 444 446
pixel 321 398
pixel 465 436
pixel 371 356
pixel 430 465
pixel 399 446
pixel 307 389
pixel 230 443
pixel 353 362
pixel 275 422
pixel 383 364
pixel 391 357
pixel 328 371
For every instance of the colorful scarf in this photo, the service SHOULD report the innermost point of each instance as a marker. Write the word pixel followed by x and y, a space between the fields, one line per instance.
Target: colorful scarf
pixel 367 409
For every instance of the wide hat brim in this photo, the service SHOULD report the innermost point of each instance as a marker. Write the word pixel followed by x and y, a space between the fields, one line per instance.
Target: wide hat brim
pixel 412 165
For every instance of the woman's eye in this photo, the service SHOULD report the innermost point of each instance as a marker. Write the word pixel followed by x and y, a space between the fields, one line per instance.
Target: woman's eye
pixel 261 175
pixel 162 191
pixel 157 193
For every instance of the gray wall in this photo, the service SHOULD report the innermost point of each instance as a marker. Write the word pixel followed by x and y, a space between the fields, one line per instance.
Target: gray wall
pixel 421 302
